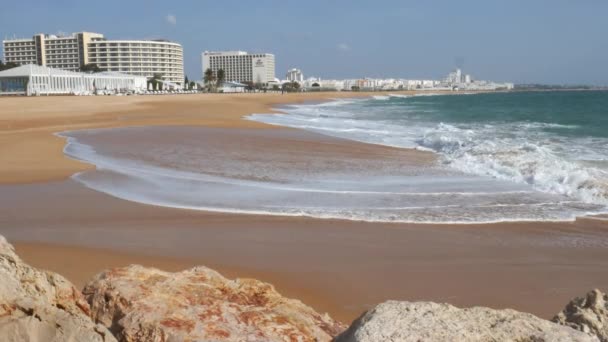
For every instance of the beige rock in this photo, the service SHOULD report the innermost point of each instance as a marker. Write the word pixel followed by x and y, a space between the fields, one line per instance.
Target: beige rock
pixel 425 321
pixel 37 305
pixel 588 314
pixel 146 304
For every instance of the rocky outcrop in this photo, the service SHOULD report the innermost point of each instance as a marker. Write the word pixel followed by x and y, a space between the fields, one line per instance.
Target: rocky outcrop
pixel 145 304
pixel 588 314
pixel 41 306
pixel 135 304
pixel 426 321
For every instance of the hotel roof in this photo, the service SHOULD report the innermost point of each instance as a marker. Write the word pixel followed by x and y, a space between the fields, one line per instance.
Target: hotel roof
pixel 33 69
pixel 39 70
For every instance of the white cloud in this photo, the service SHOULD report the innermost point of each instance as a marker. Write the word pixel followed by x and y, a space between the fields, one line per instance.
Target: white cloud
pixel 171 19
pixel 343 47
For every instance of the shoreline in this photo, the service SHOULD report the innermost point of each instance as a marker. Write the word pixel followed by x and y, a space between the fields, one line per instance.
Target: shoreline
pixel 342 267
pixel 39 157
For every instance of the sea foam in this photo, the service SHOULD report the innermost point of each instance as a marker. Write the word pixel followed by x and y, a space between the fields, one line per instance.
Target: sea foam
pixel 197 171
pixel 522 152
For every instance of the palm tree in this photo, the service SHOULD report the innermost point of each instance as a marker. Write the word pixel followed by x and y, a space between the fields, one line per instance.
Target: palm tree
pixel 186 83
pixel 221 77
pixel 157 83
pixel 209 78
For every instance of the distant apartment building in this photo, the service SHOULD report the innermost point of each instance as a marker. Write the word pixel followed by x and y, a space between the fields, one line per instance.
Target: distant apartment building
pixel 67 53
pixel 140 57
pixel 295 75
pixel 240 66
pixel 456 80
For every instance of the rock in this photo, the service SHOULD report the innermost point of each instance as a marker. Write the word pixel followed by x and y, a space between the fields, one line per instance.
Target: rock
pixel 425 321
pixel 588 314
pixel 37 305
pixel 146 304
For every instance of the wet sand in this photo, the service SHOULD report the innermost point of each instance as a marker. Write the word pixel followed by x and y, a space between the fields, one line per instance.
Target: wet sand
pixel 341 267
pixel 336 266
pixel 30 152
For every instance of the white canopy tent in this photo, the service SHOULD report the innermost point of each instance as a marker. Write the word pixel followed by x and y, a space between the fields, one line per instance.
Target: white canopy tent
pixel 34 79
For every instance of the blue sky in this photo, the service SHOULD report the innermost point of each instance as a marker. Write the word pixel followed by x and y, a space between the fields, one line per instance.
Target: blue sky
pixel 520 41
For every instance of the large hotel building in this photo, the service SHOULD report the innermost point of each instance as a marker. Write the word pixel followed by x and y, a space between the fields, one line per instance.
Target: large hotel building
pixel 240 66
pixel 133 57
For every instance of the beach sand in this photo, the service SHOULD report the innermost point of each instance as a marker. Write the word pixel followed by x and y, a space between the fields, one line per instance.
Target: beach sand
pixel 30 152
pixel 342 267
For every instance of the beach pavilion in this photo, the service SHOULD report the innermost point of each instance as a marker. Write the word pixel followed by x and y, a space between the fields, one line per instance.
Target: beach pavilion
pixel 34 79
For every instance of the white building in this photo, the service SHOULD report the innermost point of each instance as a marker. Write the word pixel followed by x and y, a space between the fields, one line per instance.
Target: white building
pixel 68 53
pixel 458 81
pixel 240 66
pixel 233 87
pixel 34 79
pixel 455 77
pixel 295 75
pixel 139 57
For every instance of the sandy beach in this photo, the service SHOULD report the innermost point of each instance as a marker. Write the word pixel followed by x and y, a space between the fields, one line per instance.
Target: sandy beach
pixel 338 266
pixel 30 152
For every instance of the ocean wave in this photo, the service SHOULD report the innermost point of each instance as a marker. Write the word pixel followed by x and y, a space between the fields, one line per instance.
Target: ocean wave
pixel 521 152
pixel 504 153
pixel 400 96
pixel 423 196
pixel 155 191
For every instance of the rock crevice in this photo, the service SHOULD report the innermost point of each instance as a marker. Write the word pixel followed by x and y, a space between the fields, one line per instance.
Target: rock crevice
pixel 41 306
pixel 588 314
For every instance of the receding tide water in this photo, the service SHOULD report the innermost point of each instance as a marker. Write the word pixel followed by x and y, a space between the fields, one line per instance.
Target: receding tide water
pixel 501 157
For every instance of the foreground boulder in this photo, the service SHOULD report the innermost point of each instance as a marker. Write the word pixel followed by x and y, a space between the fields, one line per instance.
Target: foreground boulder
pixel 588 314
pixel 146 304
pixel 427 321
pixel 41 306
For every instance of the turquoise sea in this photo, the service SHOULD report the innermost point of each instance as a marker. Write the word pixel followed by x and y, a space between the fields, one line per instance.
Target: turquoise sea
pixel 555 142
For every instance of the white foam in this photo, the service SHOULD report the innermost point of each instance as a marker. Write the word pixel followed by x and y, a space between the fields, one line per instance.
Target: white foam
pixel 524 153
pixel 395 195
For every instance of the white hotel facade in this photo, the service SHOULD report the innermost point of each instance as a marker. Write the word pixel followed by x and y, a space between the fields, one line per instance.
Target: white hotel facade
pixel 134 57
pixel 140 58
pixel 240 66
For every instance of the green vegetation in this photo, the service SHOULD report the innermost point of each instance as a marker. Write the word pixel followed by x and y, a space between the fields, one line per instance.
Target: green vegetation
pixel 90 68
pixel 221 77
pixel 7 66
pixel 156 82
pixel 189 85
pixel 209 79
pixel 291 86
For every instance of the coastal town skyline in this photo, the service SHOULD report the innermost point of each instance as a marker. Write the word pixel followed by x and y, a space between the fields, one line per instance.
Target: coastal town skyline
pixel 137 65
pixel 348 50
